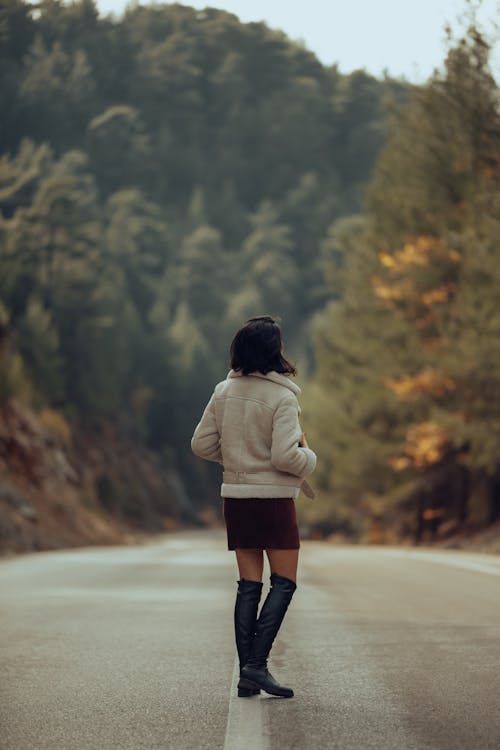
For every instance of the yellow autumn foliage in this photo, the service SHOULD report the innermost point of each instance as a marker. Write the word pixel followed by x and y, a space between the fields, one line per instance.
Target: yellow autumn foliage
pixel 425 444
pixel 399 463
pixel 419 252
pixel 440 294
pixel 401 290
pixel 430 382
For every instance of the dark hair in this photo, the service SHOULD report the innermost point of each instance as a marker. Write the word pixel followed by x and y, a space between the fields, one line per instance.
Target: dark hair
pixel 257 347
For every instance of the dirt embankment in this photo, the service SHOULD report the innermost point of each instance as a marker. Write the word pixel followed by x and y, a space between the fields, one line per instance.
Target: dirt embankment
pixel 83 489
pixel 486 540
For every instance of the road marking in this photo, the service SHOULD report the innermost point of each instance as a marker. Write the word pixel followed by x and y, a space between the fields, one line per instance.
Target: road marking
pixel 454 562
pixel 245 727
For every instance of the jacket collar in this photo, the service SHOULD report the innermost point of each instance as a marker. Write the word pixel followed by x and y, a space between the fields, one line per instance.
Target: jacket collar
pixel 276 377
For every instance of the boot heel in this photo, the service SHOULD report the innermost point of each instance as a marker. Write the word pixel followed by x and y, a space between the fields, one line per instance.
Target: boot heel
pixel 246 688
pixel 247 692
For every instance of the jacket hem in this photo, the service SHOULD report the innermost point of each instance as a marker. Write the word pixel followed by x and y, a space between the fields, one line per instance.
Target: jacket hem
pixel 259 490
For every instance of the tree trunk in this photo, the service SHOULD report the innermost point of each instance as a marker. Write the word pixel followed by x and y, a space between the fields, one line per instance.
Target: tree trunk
pixel 494 499
pixel 419 527
pixel 462 492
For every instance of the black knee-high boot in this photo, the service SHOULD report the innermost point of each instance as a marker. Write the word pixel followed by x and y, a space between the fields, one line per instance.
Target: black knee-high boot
pixel 245 616
pixel 255 672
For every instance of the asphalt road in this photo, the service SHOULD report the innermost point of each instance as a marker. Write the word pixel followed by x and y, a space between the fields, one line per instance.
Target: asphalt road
pixel 132 647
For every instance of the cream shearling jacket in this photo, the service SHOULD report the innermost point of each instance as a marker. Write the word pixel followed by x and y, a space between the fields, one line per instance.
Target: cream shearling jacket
pixel 251 426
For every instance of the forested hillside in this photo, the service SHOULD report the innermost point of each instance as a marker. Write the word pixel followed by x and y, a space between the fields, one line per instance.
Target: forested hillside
pixel 163 176
pixel 405 397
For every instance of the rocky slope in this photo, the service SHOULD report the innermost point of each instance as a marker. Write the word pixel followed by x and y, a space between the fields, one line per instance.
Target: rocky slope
pixel 86 489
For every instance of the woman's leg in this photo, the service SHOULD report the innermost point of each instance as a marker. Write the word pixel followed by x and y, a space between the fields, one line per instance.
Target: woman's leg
pixel 284 562
pixel 250 564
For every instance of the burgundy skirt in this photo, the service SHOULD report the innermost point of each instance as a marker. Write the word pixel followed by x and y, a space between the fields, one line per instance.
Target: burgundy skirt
pixel 261 523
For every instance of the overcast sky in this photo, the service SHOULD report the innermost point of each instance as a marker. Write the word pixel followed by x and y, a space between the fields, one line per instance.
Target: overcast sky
pixel 406 37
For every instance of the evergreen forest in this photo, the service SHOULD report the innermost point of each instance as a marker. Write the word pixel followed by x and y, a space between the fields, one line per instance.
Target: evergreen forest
pixel 166 174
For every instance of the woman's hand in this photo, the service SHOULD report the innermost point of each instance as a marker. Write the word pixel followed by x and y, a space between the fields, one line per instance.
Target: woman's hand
pixel 303 441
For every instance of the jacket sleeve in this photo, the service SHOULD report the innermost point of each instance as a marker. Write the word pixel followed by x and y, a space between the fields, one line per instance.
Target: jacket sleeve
pixel 205 442
pixel 286 454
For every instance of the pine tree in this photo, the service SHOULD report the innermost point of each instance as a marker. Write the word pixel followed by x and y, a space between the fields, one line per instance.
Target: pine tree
pixel 412 424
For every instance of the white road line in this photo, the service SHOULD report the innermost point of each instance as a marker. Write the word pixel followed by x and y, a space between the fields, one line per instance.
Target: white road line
pixel 245 726
pixel 454 562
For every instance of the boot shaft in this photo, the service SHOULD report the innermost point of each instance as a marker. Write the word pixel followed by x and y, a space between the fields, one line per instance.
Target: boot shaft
pixel 245 615
pixel 270 618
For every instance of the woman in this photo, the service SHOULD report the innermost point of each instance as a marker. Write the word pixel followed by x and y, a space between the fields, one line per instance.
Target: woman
pixel 251 426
